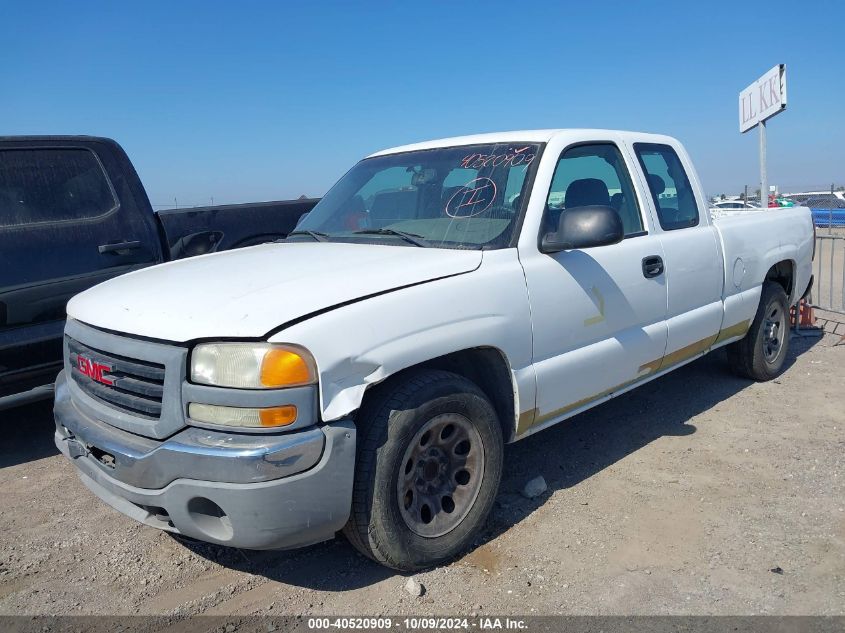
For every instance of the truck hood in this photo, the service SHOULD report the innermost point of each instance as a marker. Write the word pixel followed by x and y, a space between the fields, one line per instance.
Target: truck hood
pixel 248 292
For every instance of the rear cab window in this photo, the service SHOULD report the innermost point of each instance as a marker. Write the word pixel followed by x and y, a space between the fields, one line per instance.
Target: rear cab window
pixel 52 185
pixel 673 196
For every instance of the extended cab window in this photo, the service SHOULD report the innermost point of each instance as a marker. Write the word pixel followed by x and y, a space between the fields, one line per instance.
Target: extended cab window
pixel 588 175
pixel 51 185
pixel 670 188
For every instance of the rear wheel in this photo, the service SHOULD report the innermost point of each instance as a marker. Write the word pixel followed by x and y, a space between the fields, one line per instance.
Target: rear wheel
pixel 760 355
pixel 427 470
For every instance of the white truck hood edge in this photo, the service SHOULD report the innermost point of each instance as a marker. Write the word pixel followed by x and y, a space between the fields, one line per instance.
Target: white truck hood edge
pixel 248 292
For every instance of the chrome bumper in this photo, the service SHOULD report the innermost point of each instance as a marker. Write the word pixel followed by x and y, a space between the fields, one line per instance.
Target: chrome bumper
pixel 192 452
pixel 244 490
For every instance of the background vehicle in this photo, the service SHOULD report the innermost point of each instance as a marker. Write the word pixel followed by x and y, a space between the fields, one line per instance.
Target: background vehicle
pixel 442 299
pixel 73 213
pixel 829 202
pixel 734 205
pixel 802 198
pixel 828 211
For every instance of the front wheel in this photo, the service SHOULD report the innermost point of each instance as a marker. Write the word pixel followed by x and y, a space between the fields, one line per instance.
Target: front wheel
pixel 760 355
pixel 427 471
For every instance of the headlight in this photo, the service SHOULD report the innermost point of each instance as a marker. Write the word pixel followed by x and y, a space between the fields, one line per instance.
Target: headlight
pixel 252 365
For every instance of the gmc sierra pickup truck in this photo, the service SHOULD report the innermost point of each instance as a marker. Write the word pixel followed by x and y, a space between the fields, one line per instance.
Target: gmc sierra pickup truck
pixel 73 213
pixel 442 299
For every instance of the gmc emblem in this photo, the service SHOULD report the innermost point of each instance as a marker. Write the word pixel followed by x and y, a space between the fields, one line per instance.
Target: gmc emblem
pixel 95 371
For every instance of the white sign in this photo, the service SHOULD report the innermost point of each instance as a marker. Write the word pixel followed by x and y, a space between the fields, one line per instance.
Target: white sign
pixel 763 99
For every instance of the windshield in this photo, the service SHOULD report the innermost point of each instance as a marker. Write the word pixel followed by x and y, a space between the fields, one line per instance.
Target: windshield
pixel 458 197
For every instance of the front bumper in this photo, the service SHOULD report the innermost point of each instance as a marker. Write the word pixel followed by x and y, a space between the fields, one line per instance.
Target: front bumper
pixel 242 490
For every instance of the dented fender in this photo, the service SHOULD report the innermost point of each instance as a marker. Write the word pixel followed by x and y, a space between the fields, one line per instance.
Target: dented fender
pixel 361 344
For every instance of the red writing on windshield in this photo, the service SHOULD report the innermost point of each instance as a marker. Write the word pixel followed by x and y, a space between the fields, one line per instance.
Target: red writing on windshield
pixel 510 158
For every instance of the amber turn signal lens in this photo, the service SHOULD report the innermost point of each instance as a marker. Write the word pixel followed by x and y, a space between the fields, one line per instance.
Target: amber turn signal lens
pixel 286 368
pixel 278 416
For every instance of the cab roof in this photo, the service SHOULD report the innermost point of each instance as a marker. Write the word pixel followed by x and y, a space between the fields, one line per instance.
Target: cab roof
pixel 518 136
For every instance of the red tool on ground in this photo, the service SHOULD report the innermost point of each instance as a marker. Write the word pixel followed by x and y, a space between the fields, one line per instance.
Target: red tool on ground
pixel 806 315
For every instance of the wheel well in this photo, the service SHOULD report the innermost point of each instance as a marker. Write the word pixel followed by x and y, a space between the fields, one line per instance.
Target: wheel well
pixel 487 368
pixel 784 274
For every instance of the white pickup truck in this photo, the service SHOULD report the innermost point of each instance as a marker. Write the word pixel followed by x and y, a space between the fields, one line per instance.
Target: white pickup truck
pixel 442 299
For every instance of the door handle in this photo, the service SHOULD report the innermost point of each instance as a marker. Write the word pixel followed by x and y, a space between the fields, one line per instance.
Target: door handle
pixel 118 247
pixel 652 266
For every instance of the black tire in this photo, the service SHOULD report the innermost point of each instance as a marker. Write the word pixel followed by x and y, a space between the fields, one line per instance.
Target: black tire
pixel 389 426
pixel 753 356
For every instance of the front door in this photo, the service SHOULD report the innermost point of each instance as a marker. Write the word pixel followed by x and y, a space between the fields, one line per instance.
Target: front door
pixel 599 314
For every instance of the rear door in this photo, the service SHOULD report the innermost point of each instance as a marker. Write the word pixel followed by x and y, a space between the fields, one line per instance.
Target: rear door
pixel 69 219
pixel 694 263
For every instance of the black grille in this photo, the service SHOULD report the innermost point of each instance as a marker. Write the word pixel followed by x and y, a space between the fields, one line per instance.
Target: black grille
pixel 131 385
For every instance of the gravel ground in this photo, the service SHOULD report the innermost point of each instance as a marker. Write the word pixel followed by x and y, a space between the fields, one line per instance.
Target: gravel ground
pixel 699 493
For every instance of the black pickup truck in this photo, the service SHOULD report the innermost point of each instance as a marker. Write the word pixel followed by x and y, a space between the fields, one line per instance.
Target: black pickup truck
pixel 73 213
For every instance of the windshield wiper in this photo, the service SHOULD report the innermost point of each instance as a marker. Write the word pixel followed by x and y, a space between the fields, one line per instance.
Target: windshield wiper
pixel 413 238
pixel 319 236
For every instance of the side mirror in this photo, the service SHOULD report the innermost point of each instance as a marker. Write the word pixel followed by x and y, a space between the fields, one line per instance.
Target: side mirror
pixel 584 227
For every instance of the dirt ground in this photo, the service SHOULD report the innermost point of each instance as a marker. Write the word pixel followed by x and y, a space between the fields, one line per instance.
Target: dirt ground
pixel 699 493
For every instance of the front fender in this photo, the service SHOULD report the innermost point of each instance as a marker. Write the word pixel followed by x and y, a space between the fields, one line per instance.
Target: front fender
pixel 364 343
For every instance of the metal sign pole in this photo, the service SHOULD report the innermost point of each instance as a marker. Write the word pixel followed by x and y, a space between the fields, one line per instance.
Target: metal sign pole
pixel 762 100
pixel 764 177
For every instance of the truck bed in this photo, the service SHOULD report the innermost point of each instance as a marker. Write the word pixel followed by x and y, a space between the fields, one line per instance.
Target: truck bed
pixel 198 230
pixel 752 244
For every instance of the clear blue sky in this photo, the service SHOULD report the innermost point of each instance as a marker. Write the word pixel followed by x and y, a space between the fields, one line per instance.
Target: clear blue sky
pixel 248 101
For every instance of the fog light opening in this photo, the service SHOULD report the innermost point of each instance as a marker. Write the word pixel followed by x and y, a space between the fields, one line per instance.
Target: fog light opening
pixel 210 519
